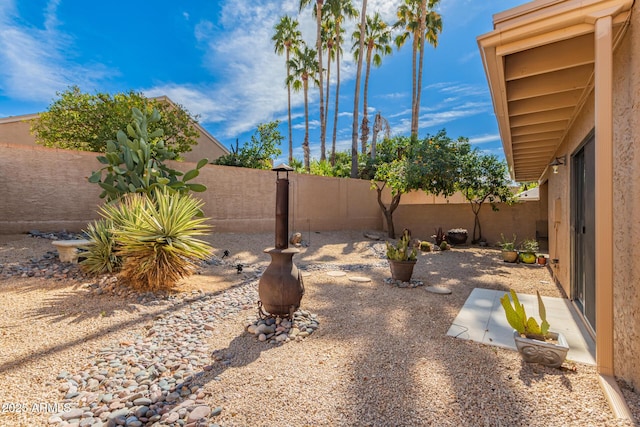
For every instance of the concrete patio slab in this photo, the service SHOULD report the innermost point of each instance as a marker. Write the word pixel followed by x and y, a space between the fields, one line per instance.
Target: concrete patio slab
pixel 482 319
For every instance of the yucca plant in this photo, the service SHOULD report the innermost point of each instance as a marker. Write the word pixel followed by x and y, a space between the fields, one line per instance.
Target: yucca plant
pixel 157 238
pixel 101 252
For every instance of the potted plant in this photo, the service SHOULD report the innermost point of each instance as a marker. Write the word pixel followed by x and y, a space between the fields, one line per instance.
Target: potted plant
pixel 534 341
pixel 402 258
pixel 509 253
pixel 542 260
pixel 528 249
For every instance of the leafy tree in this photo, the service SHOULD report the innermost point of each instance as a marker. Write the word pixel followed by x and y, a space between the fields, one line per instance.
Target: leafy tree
pixel 135 161
pixel 404 164
pixel 483 178
pixel 304 67
pixel 287 37
pixel 81 121
pixel 259 152
pixel 377 41
pixel 340 168
pixel 422 24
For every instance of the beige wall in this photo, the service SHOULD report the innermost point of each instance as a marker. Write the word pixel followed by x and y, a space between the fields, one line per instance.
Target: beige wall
pixel 626 136
pixel 559 198
pixel 519 219
pixel 17 132
pixel 47 189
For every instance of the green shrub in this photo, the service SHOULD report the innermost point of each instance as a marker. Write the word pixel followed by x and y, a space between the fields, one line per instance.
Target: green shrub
pixel 444 246
pixel 425 246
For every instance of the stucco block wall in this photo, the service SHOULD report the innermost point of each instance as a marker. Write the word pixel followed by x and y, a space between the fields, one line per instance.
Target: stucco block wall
pixel 47 189
pixel 17 132
pixel 626 114
pixel 519 219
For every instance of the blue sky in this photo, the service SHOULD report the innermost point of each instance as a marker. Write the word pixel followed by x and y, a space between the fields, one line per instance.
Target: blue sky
pixel 216 58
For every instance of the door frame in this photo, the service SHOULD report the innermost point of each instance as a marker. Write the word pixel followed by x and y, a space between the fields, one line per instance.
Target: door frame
pixel 576 263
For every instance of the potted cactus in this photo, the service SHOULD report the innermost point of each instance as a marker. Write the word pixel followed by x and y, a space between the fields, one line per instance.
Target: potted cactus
pixel 528 249
pixel 534 341
pixel 509 253
pixel 402 258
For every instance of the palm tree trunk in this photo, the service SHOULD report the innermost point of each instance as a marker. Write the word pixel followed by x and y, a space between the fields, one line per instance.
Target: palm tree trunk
pixel 365 114
pixel 414 109
pixel 289 110
pixel 326 101
pixel 423 17
pixel 323 155
pixel 335 113
pixel 356 98
pixel 305 144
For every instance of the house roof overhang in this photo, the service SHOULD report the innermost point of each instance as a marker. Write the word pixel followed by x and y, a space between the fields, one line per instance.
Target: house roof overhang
pixel 539 62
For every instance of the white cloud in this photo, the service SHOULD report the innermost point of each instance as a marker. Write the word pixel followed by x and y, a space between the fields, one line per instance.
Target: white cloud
pixel 34 65
pixel 484 139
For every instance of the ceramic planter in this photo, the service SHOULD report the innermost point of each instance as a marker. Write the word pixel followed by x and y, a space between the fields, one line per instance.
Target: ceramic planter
pixel 402 270
pixel 528 257
pixel 545 353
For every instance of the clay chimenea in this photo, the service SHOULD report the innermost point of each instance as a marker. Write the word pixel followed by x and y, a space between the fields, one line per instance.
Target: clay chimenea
pixel 280 288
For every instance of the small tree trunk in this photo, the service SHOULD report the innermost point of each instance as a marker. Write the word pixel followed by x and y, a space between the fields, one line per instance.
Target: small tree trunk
pixel 388 212
pixel 476 222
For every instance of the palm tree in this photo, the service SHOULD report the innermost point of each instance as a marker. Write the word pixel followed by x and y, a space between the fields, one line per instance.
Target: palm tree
pixel 329 44
pixel 377 40
pixel 338 10
pixel 356 98
pixel 423 24
pixel 287 37
pixel 304 67
pixel 318 13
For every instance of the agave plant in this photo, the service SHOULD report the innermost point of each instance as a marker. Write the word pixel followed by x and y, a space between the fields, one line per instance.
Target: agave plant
pixel 101 252
pixel 157 237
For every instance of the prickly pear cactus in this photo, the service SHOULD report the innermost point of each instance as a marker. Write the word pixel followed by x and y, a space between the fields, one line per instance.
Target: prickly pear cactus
pixel 517 317
pixel 134 162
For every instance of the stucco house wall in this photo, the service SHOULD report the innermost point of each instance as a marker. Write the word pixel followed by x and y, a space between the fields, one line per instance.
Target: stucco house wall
pixel 626 136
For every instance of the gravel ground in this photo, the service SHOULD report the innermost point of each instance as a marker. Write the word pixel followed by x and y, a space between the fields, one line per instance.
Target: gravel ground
pixel 380 356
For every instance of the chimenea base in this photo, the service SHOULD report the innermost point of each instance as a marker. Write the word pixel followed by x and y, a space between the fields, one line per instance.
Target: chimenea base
pixel 280 288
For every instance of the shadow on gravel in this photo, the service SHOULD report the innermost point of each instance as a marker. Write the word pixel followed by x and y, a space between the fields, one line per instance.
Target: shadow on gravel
pixel 84 339
pixel 407 371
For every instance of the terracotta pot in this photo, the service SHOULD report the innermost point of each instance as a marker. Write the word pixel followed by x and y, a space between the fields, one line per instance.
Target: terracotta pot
pixel 509 256
pixel 542 260
pixel 402 270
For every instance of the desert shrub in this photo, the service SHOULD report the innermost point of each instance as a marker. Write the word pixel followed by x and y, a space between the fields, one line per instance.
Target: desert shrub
pixel 100 256
pixel 156 237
